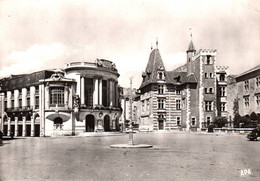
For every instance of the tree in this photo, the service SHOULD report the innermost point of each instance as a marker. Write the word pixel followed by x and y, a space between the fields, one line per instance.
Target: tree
pixel 220 122
pixel 237 119
pixel 253 116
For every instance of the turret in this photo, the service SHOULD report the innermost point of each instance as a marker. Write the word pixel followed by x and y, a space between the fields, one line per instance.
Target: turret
pixel 190 53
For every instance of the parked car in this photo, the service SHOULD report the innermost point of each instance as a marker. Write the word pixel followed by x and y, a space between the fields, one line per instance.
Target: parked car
pixel 255 133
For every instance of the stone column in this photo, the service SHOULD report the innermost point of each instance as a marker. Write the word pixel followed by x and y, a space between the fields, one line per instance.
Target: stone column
pixel 100 92
pixel 9 102
pixel 32 97
pixel 32 125
pixel 16 98
pixel 116 94
pixel 95 92
pixel 8 126
pixel 47 96
pixel 41 109
pixel 24 98
pixel 24 126
pixel 111 93
pixel 82 91
pixel 66 96
pixel 15 126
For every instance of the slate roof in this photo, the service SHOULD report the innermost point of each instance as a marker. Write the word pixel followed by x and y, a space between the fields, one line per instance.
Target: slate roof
pixel 154 64
pixel 191 47
pixel 178 76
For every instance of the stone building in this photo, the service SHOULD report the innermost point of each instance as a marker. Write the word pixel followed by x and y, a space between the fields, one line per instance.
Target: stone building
pixel 244 90
pixel 184 98
pixel 81 98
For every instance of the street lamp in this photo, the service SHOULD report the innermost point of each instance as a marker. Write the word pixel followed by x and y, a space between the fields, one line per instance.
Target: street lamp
pixel 131 138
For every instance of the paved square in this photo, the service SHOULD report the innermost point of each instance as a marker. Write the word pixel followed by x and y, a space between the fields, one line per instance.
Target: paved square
pixel 175 156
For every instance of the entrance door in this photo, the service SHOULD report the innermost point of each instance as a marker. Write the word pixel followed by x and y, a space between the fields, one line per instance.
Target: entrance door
pixel 20 130
pixel 37 130
pixel 90 123
pixel 106 123
pixel 161 124
pixel 28 130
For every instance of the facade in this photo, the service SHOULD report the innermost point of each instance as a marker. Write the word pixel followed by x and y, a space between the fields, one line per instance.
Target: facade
pixel 244 93
pixel 130 103
pixel 81 98
pixel 186 98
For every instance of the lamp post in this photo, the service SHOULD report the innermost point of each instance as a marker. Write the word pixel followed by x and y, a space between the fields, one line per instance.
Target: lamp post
pixel 131 138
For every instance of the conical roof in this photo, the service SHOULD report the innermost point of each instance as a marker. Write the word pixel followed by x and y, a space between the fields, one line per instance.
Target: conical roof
pixel 191 47
pixel 154 64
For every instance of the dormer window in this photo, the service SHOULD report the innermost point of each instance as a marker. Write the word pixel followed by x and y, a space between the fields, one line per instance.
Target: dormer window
pixel 160 75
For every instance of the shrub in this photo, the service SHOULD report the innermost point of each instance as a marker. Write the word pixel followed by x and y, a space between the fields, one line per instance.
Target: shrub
pixel 220 122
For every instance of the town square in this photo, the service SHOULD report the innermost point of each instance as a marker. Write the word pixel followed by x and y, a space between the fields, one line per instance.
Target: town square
pixel 174 156
pixel 129 90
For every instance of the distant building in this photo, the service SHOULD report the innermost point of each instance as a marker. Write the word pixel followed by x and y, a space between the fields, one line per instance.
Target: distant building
pixel 244 91
pixel 130 103
pixel 189 97
pixel 82 98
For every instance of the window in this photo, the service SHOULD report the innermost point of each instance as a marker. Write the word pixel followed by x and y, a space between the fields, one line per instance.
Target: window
pixel 20 103
pixel 208 61
pixel 183 104
pixel 257 81
pixel 89 92
pixel 210 75
pixel 208 105
pixel 178 121
pixel 193 121
pixel 222 77
pixel 257 99
pixel 57 96
pixel 160 89
pixel 58 123
pixel 178 104
pixel 222 91
pixel 208 120
pixel 28 101
pixel 208 90
pixel 160 103
pixel 222 106
pixel 148 105
pixel 246 85
pixel 160 75
pixel 206 75
pixel 246 100
pixel 178 92
pixel 37 102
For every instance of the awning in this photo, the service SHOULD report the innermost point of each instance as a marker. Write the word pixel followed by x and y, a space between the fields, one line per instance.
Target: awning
pixel 55 115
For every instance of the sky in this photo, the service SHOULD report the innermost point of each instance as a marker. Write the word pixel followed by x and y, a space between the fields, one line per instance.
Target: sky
pixel 45 34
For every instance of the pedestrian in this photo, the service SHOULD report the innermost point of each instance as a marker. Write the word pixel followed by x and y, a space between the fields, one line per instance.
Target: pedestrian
pixel 1 136
pixel 12 134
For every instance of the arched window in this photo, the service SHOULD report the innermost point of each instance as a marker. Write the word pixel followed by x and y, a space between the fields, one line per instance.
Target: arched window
pixel 222 77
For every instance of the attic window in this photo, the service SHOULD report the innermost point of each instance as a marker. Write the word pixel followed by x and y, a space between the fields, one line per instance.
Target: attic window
pixel 178 79
pixel 160 75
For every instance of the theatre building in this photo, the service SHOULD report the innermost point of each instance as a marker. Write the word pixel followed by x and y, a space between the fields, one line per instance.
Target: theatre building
pixel 81 98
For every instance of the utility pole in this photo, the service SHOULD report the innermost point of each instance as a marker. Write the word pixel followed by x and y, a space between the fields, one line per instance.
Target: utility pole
pixel 131 139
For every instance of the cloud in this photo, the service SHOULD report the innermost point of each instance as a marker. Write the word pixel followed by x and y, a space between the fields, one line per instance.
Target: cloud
pixel 34 58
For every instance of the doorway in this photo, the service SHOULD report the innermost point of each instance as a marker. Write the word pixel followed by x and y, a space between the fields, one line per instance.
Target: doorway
pixel 106 123
pixel 90 123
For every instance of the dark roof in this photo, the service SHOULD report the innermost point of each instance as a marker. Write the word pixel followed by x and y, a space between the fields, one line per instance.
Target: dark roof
pixel 154 64
pixel 256 68
pixel 191 47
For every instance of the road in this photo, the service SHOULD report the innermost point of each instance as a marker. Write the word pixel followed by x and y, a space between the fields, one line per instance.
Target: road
pixel 175 156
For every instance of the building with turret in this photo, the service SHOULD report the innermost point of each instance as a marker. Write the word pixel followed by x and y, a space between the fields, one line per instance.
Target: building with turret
pixel 81 98
pixel 187 98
